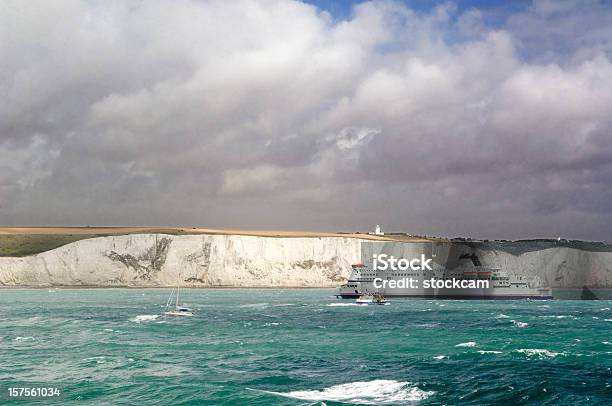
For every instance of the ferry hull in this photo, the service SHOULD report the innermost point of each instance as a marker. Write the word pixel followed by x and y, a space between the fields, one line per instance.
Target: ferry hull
pixel 453 297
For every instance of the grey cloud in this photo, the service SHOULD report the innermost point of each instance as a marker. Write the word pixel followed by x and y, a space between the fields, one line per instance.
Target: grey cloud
pixel 564 31
pixel 270 114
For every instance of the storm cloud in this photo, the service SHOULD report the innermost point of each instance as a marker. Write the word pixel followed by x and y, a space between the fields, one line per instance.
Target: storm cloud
pixel 276 114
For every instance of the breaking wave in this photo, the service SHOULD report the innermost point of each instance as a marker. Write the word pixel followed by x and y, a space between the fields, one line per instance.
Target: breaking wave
pixel 539 353
pixel 144 317
pixel 98 360
pixel 377 392
pixel 519 324
pixel 468 344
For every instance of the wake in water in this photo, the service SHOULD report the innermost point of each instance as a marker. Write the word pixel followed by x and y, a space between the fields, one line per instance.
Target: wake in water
pixel 342 304
pixel 377 392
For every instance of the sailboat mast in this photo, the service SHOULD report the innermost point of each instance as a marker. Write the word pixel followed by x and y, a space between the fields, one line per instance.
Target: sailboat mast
pixel 169 298
pixel 178 288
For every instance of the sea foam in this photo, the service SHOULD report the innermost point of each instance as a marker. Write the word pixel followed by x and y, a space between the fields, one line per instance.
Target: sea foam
pixel 468 344
pixel 539 353
pixel 519 324
pixel 144 317
pixel 377 392
pixel 341 304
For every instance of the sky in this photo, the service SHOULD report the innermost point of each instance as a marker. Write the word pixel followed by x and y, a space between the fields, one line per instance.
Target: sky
pixel 489 119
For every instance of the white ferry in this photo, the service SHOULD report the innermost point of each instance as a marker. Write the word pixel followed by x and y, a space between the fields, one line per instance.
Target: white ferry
pixel 481 283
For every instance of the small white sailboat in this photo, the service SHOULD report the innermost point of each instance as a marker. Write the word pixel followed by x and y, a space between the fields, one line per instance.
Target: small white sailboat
pixel 178 310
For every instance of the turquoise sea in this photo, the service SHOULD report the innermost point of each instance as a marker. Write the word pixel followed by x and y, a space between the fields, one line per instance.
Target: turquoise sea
pixel 302 347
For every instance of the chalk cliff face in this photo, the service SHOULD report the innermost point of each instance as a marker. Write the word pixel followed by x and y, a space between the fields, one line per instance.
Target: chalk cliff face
pixel 566 264
pixel 148 260
pixel 558 267
pixel 198 260
pixel 559 264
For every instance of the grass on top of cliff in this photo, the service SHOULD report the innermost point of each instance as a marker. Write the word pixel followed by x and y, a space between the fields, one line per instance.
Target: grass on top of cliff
pixel 21 245
pixel 24 244
pixel 24 241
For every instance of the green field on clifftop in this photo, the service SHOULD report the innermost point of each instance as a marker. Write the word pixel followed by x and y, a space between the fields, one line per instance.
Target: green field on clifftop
pixel 24 241
pixel 21 245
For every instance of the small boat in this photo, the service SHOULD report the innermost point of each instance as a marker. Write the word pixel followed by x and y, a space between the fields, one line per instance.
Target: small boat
pixel 178 310
pixel 370 299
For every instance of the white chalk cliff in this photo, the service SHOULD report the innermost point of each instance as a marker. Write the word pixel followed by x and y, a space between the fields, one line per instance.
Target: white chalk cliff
pixel 150 260
pixel 199 260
